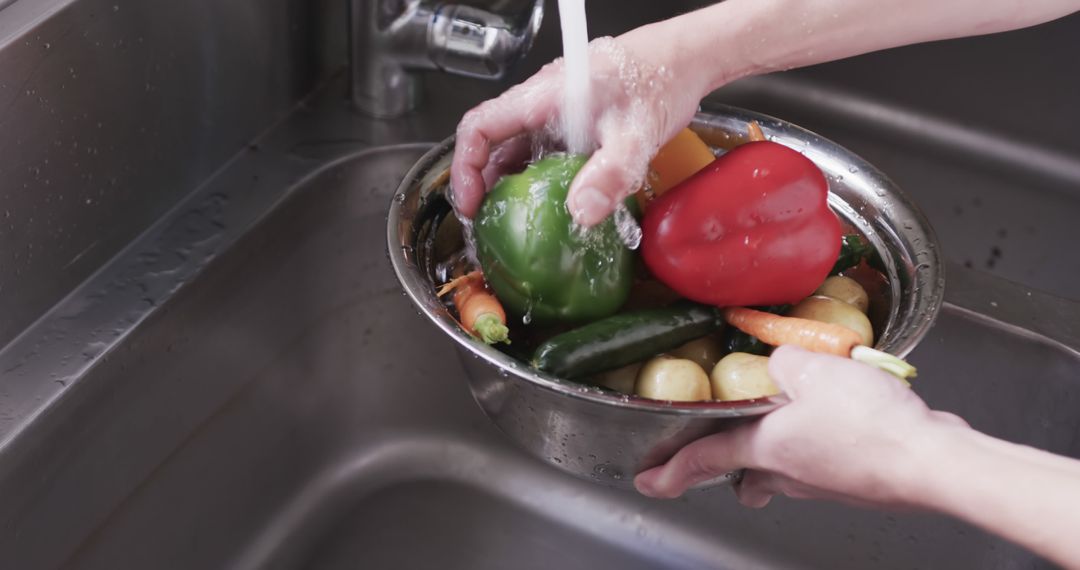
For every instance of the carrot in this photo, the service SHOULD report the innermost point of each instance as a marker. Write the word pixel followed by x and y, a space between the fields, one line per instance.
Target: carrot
pixel 755 133
pixel 815 336
pixel 773 329
pixel 481 313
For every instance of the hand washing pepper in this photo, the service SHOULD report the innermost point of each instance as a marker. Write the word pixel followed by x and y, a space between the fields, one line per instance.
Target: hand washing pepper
pixel 535 262
pixel 752 228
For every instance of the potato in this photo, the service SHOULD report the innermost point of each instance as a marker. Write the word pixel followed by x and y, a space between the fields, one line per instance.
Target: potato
pixel 829 310
pixel 675 379
pixel 705 351
pixel 621 379
pixel 847 290
pixel 742 376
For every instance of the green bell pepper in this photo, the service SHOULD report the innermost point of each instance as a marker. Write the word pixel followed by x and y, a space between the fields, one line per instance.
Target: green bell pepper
pixel 538 265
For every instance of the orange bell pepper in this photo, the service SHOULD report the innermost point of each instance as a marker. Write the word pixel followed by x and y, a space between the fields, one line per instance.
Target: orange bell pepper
pixel 679 159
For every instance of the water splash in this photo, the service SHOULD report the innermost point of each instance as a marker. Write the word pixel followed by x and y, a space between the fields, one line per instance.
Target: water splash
pixel 627 227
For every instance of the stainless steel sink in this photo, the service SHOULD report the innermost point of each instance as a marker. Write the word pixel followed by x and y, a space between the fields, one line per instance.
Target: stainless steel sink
pixel 244 386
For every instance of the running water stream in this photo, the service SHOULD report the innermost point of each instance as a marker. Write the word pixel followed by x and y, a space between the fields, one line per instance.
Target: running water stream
pixel 577 101
pixel 575 117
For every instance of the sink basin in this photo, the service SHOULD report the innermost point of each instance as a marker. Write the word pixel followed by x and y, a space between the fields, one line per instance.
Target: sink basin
pixel 295 412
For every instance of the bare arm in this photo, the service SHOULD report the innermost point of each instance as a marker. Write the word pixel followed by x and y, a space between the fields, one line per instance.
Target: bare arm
pixel 648 82
pixel 1026 495
pixel 758 36
pixel 855 434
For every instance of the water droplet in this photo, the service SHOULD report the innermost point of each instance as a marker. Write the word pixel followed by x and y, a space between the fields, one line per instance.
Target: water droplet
pixel 627 227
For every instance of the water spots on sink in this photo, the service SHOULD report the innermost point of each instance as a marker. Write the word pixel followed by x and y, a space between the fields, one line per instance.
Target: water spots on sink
pixel 93 350
pixel 70 343
pixel 995 256
pixel 607 471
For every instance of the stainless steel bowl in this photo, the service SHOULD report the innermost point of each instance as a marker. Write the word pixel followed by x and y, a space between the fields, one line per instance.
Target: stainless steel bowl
pixel 609 438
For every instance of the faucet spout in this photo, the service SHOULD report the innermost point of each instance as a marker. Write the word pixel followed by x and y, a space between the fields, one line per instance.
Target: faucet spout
pixel 391 39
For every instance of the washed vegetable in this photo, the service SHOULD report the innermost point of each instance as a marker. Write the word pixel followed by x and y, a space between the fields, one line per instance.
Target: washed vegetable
pixel 742 376
pixel 621 380
pixel 847 290
pixel 752 228
pixel 829 310
pixel 749 229
pixel 853 250
pixel 535 262
pixel 775 330
pixel 815 336
pixel 624 339
pixel 674 379
pixel 480 312
pixel 704 351
pixel 734 340
pixel 679 159
pixel 754 133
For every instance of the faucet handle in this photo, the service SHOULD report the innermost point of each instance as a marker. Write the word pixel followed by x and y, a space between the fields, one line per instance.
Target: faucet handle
pixel 476 43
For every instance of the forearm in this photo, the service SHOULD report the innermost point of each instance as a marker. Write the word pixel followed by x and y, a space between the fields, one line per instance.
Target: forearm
pixel 738 38
pixel 1025 495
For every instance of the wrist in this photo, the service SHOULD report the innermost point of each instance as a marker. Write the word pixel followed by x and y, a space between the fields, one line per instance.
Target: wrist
pixel 928 469
pixel 939 464
pixel 693 55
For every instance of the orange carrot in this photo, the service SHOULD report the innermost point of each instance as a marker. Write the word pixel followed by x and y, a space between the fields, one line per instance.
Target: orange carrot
pixel 755 132
pixel 815 336
pixel 482 314
pixel 773 329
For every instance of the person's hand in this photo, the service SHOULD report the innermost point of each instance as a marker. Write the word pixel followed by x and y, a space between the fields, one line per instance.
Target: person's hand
pixel 635 108
pixel 850 433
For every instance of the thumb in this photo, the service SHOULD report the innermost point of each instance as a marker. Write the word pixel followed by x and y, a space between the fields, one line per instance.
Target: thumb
pixel 614 172
pixel 797 371
pixel 702 460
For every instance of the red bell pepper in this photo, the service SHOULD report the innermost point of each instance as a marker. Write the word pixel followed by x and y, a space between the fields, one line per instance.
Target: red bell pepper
pixel 752 228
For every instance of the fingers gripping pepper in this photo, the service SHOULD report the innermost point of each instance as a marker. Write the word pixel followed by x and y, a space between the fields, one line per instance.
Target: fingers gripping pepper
pixel 536 262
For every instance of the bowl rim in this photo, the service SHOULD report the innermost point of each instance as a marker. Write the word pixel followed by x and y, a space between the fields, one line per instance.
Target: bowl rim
pixel 927 275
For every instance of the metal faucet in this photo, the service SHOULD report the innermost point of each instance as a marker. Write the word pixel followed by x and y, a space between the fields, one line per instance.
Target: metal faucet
pixel 391 39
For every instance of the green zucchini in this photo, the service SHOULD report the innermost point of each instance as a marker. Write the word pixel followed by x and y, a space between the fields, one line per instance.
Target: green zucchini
pixel 625 338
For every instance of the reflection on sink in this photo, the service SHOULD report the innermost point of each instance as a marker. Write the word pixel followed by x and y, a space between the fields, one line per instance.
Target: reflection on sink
pixel 420 525
pixel 332 429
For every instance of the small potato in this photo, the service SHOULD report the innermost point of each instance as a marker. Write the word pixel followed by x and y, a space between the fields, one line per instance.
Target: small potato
pixel 675 379
pixel 705 351
pixel 742 376
pixel 621 379
pixel 829 310
pixel 847 290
